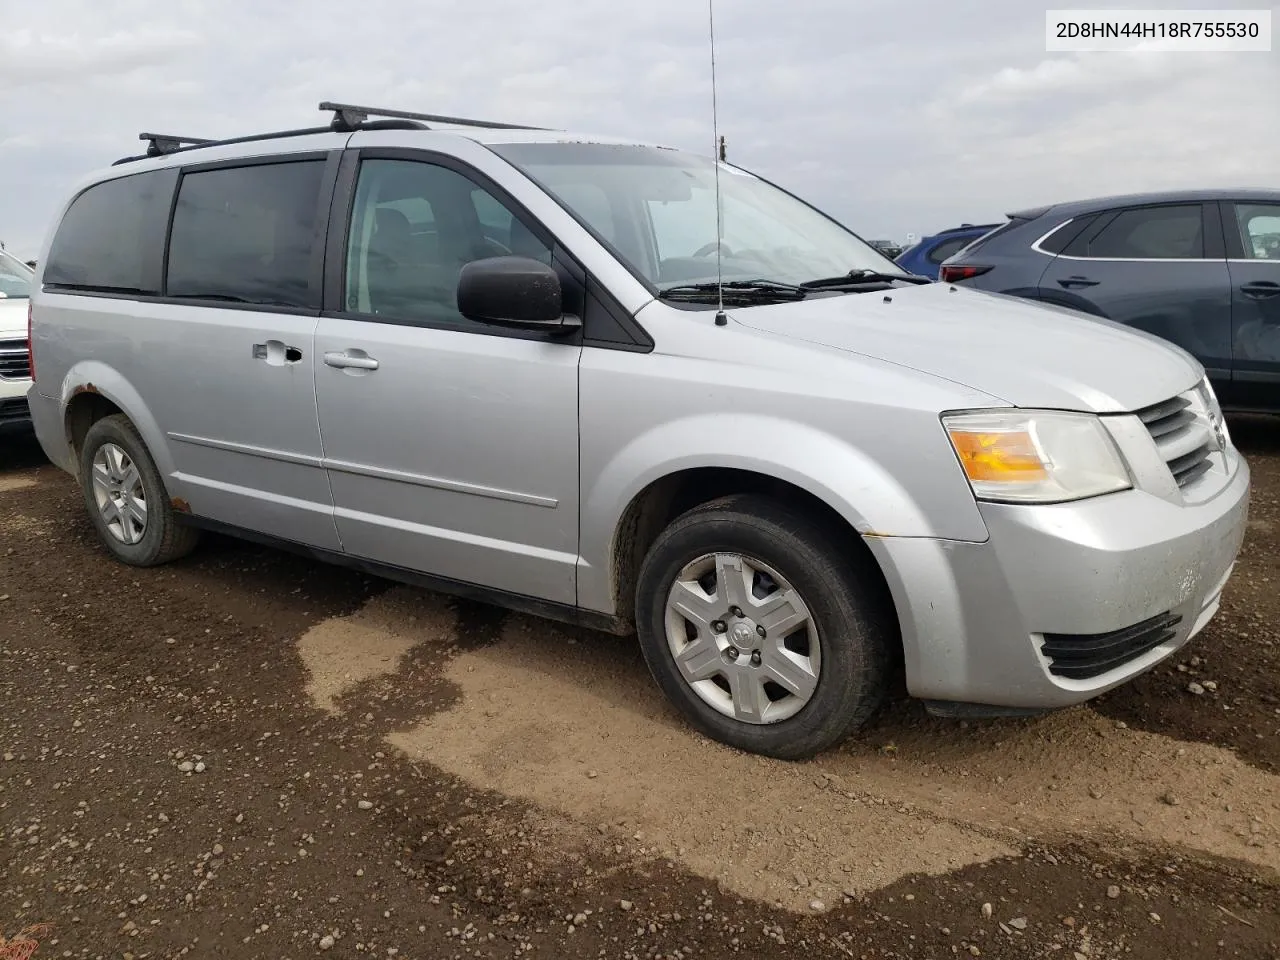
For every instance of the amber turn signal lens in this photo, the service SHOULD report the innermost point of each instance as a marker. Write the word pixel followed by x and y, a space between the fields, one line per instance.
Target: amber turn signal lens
pixel 1007 456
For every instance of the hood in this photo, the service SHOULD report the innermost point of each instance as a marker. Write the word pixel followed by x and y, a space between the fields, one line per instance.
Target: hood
pixel 13 317
pixel 1027 353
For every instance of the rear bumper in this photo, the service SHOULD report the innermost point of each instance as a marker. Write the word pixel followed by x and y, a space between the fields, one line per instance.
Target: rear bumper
pixel 1104 579
pixel 46 419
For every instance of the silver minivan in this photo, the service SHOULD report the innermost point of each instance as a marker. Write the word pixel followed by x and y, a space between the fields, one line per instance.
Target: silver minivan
pixel 633 388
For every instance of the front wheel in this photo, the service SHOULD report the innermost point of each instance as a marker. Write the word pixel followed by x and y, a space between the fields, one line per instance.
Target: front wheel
pixel 763 627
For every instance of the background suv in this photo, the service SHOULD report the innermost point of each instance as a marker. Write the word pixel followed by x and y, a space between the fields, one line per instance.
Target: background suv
pixel 15 365
pixel 1201 269
pixel 925 258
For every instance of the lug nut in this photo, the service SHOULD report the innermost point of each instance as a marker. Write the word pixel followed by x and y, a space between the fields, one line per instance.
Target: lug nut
pixel 759 629
pixel 736 611
pixel 718 626
pixel 755 658
pixel 732 653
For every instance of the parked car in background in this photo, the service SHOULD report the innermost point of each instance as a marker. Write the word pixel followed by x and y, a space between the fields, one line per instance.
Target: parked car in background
pixel 1198 268
pixel 16 279
pixel 924 259
pixel 495 362
pixel 887 247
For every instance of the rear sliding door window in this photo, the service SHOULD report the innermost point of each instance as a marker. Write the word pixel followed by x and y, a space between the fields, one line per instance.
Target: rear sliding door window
pixel 248 235
pixel 111 237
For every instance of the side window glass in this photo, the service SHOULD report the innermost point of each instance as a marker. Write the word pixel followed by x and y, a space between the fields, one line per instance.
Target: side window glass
pixel 1071 238
pixel 98 244
pixel 414 226
pixel 947 248
pixel 1152 233
pixel 1259 230
pixel 247 234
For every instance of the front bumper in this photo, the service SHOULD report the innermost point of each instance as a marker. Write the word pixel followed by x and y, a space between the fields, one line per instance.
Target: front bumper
pixel 974 615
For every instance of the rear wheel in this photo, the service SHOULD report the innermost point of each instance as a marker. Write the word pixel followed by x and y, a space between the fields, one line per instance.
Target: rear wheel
pixel 126 498
pixel 762 627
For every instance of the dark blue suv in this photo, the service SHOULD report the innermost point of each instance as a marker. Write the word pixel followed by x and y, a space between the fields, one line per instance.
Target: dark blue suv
pixel 1198 268
pixel 925 257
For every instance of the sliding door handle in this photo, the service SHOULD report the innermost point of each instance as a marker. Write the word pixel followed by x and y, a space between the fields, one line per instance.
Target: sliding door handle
pixel 276 353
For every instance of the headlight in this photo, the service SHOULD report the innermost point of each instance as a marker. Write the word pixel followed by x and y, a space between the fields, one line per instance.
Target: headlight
pixel 1219 423
pixel 1029 456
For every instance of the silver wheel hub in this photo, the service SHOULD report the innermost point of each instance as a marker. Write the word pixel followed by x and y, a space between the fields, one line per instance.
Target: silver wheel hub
pixel 119 494
pixel 743 638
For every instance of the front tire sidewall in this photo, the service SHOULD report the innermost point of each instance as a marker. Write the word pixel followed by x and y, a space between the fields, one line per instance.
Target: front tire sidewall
pixel 147 550
pixel 850 684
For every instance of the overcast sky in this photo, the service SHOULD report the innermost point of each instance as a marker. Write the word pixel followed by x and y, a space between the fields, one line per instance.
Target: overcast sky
pixel 895 117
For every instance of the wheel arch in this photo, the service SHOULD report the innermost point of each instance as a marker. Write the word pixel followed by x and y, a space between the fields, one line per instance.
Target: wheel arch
pixel 653 508
pixel 696 462
pixel 93 390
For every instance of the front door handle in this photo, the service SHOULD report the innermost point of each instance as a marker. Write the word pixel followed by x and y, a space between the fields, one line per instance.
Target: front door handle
pixel 1261 290
pixel 351 359
pixel 1076 281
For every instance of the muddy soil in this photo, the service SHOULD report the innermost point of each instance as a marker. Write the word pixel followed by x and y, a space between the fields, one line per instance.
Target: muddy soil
pixel 250 754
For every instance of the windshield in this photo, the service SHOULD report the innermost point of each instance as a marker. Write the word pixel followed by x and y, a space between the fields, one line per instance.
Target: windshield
pixel 15 277
pixel 656 210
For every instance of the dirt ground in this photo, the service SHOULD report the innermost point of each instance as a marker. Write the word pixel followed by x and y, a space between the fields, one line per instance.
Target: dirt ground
pixel 249 754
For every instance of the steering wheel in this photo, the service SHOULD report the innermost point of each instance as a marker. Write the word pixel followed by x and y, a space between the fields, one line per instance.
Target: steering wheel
pixel 709 248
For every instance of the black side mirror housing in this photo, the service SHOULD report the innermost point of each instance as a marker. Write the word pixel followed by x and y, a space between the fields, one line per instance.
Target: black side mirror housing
pixel 513 292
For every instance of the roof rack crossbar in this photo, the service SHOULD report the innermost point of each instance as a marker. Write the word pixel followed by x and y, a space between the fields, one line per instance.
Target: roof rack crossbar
pixel 348 117
pixel 162 143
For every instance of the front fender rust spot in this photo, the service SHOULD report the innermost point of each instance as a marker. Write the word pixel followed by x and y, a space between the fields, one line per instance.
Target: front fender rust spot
pixel 179 505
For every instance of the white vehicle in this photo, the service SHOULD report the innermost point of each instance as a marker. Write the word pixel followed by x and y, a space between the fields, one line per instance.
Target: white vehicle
pixel 16 280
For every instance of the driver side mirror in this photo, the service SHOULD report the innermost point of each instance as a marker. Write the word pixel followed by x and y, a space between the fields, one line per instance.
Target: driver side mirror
pixel 513 292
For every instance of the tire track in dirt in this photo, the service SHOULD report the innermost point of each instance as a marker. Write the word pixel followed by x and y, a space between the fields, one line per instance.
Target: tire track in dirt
pixel 578 729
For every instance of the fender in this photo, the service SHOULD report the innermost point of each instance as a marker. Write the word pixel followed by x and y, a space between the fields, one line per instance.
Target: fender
pixel 94 376
pixel 868 497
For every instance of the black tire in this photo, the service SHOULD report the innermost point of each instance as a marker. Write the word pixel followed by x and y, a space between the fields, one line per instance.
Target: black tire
pixel 845 598
pixel 164 538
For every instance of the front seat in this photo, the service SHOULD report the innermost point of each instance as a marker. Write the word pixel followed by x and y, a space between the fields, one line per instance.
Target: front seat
pixel 390 259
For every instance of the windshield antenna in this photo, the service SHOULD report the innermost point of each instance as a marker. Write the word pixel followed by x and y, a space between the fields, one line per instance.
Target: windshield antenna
pixel 717 155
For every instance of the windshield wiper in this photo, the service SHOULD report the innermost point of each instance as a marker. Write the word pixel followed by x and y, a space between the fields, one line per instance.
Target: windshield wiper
pixel 735 290
pixel 857 277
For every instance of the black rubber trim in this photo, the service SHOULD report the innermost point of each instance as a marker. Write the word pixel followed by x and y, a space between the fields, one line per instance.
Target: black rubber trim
pixel 1082 656
pixel 1215 247
pixel 521 603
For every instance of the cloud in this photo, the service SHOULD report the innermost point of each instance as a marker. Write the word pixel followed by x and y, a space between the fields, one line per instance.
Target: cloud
pixel 28 58
pixel 893 119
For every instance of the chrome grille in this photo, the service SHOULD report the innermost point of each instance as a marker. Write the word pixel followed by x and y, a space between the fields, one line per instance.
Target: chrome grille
pixel 1184 435
pixel 15 362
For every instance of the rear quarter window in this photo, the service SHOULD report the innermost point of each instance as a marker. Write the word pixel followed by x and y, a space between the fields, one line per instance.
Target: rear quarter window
pixel 1062 239
pixel 111 237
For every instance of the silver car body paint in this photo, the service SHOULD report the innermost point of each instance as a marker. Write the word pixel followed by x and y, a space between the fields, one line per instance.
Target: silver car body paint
pixel 511 462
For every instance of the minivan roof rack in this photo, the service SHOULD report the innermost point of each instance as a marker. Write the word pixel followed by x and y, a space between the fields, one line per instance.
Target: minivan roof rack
pixel 348 117
pixel 162 143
